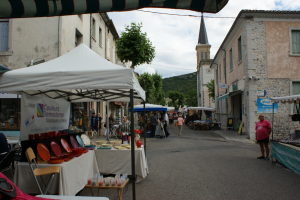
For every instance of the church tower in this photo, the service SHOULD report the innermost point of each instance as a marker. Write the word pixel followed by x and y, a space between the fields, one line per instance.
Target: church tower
pixel 203 47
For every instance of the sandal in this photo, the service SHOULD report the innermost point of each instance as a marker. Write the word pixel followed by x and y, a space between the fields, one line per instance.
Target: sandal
pixel 261 157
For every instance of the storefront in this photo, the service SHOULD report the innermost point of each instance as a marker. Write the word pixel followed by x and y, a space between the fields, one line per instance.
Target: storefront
pixel 10 114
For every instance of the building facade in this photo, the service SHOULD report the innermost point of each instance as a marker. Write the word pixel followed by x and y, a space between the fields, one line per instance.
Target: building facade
pixel 258 59
pixel 204 73
pixel 30 41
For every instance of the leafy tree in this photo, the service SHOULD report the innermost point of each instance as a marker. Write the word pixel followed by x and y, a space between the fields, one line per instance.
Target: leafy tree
pixel 147 84
pixel 211 88
pixel 134 46
pixel 191 98
pixel 177 99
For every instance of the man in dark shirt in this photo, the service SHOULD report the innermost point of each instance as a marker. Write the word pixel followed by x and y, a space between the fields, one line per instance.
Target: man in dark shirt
pixel 153 120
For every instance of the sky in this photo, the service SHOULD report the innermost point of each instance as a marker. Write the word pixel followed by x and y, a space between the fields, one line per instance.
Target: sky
pixel 175 37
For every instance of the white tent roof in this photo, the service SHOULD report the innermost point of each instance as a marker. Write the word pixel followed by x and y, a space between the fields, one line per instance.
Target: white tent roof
pixel 286 99
pixel 169 108
pixel 79 75
pixel 201 108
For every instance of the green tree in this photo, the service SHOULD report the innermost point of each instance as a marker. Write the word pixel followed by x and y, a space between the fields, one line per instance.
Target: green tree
pixel 177 99
pixel 134 46
pixel 147 84
pixel 159 96
pixel 211 88
pixel 191 98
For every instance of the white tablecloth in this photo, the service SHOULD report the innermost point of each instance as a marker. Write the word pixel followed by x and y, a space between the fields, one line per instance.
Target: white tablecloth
pixel 72 178
pixel 119 162
pixel 72 197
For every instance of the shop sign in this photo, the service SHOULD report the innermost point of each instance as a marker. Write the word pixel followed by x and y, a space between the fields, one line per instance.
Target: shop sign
pixel 234 86
pixel 260 93
pixel 8 96
pixel 264 105
pixel 223 97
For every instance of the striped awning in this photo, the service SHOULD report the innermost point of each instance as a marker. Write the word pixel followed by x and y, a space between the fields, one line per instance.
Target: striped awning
pixel 44 8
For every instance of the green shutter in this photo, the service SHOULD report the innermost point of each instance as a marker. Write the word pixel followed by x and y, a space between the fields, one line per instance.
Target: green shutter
pixel 296 41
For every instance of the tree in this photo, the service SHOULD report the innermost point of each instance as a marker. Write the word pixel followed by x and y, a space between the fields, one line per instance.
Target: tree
pixel 147 84
pixel 134 46
pixel 177 99
pixel 191 98
pixel 152 84
pixel 211 88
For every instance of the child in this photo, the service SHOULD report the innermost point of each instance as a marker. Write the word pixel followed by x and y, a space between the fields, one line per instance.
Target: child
pixel 180 123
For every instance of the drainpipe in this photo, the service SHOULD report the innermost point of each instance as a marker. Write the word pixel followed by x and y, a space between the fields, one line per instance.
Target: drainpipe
pixel 225 79
pixel 216 84
pixel 91 30
pixel 58 37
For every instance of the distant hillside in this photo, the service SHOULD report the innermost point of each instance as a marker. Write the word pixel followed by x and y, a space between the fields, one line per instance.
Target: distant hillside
pixel 183 83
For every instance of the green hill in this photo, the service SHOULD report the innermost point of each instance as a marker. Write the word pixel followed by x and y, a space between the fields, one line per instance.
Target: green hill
pixel 183 83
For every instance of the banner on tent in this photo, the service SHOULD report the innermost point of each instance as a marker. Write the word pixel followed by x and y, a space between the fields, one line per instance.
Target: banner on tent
pixel 42 114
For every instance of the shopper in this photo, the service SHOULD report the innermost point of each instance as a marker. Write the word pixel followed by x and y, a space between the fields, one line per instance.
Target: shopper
pixel 263 130
pixel 166 120
pixel 141 122
pixel 99 124
pixel 85 122
pixel 180 121
pixel 153 121
pixel 94 124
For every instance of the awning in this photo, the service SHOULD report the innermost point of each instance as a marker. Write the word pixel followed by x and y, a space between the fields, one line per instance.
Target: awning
pixel 149 107
pixel 47 8
pixel 223 97
pixel 235 92
pixel 3 69
pixel 286 99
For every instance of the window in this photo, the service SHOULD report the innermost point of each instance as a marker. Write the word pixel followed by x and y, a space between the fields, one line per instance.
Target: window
pixel 78 38
pixel 205 55
pixel 224 65
pixel 100 36
pixel 4 35
pixel 93 28
pixel 220 67
pixel 231 59
pixel 240 49
pixel 296 91
pixel 294 40
pixel 201 55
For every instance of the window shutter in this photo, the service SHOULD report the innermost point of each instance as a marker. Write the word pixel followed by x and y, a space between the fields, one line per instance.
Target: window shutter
pixel 108 49
pixel 3 36
pixel 296 41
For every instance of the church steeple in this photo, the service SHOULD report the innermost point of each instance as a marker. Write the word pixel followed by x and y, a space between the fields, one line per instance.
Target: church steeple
pixel 202 39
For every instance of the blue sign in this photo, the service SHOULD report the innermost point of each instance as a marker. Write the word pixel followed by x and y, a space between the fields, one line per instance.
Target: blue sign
pixel 264 105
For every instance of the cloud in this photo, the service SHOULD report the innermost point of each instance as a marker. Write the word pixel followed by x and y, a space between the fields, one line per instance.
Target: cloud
pixel 175 38
pixel 149 70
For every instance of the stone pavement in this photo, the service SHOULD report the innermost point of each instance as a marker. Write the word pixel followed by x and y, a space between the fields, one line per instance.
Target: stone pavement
pixel 233 136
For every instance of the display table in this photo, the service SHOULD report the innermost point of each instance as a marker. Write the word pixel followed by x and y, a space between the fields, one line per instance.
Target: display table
pixel 119 188
pixel 288 155
pixel 72 177
pixel 119 162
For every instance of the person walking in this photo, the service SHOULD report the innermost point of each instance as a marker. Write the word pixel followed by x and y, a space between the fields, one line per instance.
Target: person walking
pixel 263 130
pixel 180 121
pixel 94 124
pixel 166 121
pixel 85 122
pixel 141 121
pixel 99 124
pixel 153 121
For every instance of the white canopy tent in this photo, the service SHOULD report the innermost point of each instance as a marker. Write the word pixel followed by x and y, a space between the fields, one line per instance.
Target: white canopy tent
pixel 148 105
pixel 80 75
pixel 169 108
pixel 201 108
pixel 286 99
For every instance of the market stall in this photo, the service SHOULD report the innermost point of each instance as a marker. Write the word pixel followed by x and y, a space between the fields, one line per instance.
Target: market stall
pixel 286 151
pixel 80 75
pixel 205 121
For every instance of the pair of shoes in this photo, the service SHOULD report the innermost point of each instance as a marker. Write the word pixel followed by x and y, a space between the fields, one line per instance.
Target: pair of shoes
pixel 261 157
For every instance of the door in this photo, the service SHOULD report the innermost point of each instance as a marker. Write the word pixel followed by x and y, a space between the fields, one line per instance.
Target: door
pixel 237 111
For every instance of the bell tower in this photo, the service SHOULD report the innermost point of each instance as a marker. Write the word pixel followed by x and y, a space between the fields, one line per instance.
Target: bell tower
pixel 203 47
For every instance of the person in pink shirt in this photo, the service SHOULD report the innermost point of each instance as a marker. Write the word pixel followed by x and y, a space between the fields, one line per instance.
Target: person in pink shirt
pixel 180 121
pixel 263 130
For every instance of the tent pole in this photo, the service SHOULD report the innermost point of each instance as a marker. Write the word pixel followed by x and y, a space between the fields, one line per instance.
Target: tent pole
pixel 107 123
pixel 273 122
pixel 132 144
pixel 145 128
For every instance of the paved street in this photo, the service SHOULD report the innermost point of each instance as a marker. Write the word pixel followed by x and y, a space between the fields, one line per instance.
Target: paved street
pixel 203 165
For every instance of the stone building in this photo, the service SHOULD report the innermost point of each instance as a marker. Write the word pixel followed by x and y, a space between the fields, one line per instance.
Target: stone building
pixel 260 55
pixel 29 41
pixel 204 73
